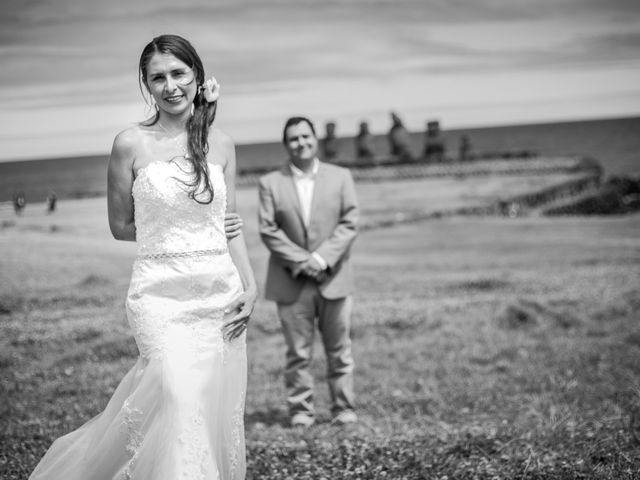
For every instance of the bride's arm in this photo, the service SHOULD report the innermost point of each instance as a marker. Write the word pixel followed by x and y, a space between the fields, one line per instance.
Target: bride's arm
pixel 238 249
pixel 119 185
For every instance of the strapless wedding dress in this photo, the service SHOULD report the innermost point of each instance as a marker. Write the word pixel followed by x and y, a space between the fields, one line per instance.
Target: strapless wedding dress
pixel 178 413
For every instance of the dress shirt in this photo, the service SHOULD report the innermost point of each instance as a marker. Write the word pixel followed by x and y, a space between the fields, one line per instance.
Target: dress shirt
pixel 305 182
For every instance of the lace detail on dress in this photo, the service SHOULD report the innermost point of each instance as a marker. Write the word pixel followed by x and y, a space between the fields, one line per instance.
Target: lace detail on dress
pixel 194 440
pixel 237 431
pixel 167 220
pixel 234 347
pixel 131 422
pixel 187 333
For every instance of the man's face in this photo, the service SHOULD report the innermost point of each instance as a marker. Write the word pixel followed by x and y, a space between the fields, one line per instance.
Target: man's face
pixel 301 143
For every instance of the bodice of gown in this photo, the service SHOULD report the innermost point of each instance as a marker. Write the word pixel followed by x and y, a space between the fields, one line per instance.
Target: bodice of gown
pixel 167 220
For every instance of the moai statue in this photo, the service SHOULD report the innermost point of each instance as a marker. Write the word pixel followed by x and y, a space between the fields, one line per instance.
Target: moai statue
pixel 464 149
pixel 364 144
pixel 434 148
pixel 330 142
pixel 399 143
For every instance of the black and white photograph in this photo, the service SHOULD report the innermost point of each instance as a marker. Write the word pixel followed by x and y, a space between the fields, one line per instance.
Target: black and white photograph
pixel 320 239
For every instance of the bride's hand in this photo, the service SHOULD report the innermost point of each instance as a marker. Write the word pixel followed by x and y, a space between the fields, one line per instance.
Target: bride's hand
pixel 232 225
pixel 238 323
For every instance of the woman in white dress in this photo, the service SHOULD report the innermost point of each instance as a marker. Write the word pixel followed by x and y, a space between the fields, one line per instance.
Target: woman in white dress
pixel 178 413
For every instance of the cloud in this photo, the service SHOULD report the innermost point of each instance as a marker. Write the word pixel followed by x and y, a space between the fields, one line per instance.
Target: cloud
pixel 613 46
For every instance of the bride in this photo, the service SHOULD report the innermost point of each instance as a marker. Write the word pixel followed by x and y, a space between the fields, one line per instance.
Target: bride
pixel 178 413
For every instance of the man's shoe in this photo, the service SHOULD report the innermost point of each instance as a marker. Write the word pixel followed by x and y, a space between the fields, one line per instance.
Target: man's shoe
pixel 348 416
pixel 302 420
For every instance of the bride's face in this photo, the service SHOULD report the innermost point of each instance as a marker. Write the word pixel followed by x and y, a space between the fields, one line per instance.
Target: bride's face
pixel 171 82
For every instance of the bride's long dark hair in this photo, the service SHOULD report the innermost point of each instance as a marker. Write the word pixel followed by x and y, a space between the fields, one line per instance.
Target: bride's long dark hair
pixel 203 112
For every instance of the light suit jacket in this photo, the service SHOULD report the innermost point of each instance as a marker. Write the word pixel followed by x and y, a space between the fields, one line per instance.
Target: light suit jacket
pixel 332 229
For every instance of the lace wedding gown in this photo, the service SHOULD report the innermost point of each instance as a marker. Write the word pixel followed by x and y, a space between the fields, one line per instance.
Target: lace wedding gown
pixel 178 413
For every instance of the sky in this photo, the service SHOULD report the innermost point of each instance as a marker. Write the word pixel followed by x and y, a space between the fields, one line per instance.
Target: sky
pixel 70 83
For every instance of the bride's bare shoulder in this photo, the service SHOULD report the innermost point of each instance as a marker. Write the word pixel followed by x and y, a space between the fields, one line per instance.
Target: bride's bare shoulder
pixel 129 138
pixel 223 145
pixel 220 138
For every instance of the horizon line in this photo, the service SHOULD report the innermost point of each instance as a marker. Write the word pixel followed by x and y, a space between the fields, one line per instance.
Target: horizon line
pixel 443 130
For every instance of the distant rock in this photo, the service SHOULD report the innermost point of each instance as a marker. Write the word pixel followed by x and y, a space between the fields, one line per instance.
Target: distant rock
pixel 618 195
pixel 528 314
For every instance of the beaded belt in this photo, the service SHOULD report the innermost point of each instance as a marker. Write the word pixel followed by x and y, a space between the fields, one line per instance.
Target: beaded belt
pixel 193 253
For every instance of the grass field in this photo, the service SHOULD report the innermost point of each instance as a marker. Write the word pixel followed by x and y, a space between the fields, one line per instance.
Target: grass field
pixel 485 347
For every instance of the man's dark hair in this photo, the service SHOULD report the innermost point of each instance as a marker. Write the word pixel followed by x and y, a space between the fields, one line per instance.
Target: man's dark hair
pixel 295 121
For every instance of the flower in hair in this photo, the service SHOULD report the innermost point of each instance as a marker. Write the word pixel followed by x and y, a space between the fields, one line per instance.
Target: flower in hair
pixel 211 90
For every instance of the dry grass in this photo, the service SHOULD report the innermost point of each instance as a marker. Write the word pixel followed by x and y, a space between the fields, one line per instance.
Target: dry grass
pixel 485 348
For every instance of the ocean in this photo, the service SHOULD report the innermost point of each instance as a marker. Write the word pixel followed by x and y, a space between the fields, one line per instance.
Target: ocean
pixel 614 143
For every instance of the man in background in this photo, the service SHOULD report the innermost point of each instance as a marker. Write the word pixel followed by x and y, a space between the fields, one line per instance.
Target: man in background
pixel 308 220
